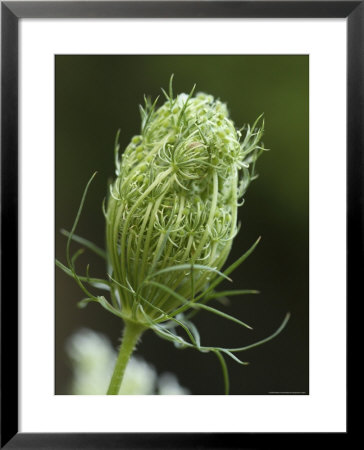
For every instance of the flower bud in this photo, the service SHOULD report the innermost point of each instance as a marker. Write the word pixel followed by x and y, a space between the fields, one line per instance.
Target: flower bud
pixel 173 205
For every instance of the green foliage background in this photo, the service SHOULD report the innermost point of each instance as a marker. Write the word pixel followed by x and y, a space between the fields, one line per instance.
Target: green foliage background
pixel 96 95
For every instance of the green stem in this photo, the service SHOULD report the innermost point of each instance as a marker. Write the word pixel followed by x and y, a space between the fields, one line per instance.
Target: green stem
pixel 132 333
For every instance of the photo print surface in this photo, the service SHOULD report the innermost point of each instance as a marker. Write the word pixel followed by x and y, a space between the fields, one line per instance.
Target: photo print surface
pixel 171 171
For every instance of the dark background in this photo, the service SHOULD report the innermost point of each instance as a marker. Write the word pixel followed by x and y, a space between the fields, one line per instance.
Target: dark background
pixel 96 95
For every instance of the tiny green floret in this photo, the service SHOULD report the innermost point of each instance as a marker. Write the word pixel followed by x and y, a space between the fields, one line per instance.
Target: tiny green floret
pixel 171 218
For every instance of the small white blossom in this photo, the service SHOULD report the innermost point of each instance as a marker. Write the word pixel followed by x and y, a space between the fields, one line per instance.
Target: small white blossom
pixel 93 359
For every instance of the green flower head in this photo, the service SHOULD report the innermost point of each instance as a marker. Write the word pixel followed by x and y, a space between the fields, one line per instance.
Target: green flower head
pixel 172 213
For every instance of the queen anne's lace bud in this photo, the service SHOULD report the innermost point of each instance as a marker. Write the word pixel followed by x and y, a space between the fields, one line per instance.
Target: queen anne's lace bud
pixel 173 206
pixel 170 221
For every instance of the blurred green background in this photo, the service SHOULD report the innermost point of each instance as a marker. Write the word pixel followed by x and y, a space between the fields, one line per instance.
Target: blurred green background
pixel 96 95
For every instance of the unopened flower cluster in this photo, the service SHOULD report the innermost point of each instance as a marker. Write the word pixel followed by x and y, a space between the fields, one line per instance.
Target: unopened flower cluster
pixel 175 198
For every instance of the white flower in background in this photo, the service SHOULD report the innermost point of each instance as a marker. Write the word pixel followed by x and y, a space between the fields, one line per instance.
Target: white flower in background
pixel 93 359
pixel 168 385
pixel 139 379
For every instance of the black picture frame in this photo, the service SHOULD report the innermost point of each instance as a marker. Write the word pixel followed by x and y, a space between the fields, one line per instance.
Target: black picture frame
pixel 11 12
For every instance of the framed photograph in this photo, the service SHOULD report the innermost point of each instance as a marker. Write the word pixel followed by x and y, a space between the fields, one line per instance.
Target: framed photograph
pixel 181 209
